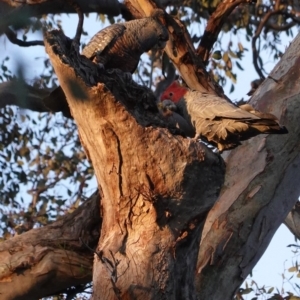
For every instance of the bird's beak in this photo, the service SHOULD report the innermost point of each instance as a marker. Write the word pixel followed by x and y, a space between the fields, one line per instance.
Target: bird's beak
pixel 161 44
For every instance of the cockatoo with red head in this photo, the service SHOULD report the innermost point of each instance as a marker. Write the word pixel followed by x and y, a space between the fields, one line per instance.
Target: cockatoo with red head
pixel 218 121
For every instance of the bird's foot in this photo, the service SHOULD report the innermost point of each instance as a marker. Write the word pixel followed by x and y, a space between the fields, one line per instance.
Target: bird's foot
pixel 211 147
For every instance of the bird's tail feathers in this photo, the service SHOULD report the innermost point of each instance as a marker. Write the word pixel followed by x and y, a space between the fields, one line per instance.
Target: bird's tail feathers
pixel 269 128
pixel 267 123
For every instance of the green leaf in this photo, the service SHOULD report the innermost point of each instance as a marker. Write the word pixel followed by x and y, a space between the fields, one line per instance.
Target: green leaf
pixel 293 269
pixel 246 291
pixel 241 47
pixel 239 66
pixel 217 55
pixel 232 54
pixel 225 57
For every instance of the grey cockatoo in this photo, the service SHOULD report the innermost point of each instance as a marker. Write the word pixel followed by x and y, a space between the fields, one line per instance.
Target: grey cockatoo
pixel 220 122
pixel 121 45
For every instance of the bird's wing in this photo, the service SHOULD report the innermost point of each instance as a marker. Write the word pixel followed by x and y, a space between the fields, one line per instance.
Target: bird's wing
pixel 209 106
pixel 104 39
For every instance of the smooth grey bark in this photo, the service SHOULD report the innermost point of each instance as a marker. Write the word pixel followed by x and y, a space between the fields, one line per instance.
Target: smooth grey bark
pixel 261 187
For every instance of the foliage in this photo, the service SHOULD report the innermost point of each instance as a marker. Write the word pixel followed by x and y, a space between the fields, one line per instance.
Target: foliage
pixel 44 171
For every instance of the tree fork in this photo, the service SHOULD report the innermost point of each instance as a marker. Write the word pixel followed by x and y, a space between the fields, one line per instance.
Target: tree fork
pixel 156 187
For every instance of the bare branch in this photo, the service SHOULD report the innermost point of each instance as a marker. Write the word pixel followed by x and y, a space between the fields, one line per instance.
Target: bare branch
pixel 12 36
pixel 79 11
pixel 281 27
pixel 19 93
pixel 16 12
pixel 262 24
pixel 214 26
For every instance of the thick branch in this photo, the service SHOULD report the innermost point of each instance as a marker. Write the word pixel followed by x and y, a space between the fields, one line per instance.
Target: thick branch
pixel 261 187
pixel 17 92
pixel 52 257
pixel 16 12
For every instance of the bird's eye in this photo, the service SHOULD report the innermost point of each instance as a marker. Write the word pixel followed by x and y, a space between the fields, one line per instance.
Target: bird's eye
pixel 171 94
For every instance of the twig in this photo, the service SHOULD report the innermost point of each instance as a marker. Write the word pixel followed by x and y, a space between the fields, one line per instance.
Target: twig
pixel 263 22
pixel 77 8
pixel 214 26
pixel 89 248
pixel 281 27
pixel 12 36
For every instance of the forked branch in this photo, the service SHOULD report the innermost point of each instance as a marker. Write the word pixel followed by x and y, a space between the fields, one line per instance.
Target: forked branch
pixel 214 26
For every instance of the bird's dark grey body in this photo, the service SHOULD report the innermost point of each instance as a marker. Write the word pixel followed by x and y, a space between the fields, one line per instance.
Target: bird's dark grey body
pixel 121 45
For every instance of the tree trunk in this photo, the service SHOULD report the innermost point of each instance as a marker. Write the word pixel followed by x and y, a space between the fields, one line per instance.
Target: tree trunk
pixel 156 187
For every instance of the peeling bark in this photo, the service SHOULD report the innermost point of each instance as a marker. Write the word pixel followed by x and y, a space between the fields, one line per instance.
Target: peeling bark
pixel 261 187
pixel 50 259
pixel 156 187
